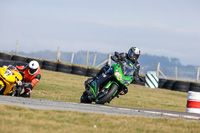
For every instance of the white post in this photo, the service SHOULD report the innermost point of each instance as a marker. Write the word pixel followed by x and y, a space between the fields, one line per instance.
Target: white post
pixel 72 59
pixel 16 47
pixel 87 58
pixel 106 61
pixel 197 79
pixel 95 56
pixel 162 74
pixel 58 54
pixel 158 69
pixel 176 73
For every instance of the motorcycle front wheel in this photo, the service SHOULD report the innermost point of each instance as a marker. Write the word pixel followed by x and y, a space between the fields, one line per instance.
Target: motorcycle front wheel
pixel 108 96
pixel 84 98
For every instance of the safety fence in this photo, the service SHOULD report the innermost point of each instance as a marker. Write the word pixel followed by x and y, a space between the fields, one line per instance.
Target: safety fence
pixel 176 85
pixel 176 73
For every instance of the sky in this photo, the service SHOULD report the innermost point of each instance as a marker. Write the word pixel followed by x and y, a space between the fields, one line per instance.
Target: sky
pixel 168 28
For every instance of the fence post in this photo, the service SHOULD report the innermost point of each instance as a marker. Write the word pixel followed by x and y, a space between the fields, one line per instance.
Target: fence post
pixel 176 73
pixel 87 58
pixel 158 69
pixel 162 74
pixel 102 63
pixel 58 54
pixel 72 59
pixel 16 47
pixel 197 79
pixel 95 56
pixel 107 60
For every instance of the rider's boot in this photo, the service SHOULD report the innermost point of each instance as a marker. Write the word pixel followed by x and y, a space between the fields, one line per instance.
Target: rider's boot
pixel 18 91
pixel 27 93
pixel 124 91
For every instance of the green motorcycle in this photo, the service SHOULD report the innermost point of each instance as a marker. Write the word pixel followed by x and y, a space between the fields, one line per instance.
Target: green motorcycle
pixel 108 85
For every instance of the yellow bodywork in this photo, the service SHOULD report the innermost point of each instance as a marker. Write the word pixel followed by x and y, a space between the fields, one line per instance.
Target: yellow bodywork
pixel 9 80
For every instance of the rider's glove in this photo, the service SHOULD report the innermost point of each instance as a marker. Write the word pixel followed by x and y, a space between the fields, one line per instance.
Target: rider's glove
pixel 114 58
pixel 27 85
pixel 137 78
pixel 19 83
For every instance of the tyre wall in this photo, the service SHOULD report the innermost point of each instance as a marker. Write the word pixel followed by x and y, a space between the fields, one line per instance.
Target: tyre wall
pixel 193 100
pixel 175 85
pixel 9 59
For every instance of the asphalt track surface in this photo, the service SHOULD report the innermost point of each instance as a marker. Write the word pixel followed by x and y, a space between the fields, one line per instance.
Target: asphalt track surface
pixel 94 108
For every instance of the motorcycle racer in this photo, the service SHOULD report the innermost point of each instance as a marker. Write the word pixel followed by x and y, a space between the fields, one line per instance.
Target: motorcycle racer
pixel 31 76
pixel 132 55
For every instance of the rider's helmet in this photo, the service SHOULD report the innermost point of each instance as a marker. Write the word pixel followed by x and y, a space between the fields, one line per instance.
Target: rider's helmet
pixel 133 54
pixel 33 67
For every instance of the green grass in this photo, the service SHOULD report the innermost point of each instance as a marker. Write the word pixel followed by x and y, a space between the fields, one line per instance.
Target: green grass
pixel 69 88
pixel 26 120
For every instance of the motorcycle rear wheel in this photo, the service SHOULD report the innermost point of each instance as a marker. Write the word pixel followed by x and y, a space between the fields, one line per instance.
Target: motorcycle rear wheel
pixel 108 96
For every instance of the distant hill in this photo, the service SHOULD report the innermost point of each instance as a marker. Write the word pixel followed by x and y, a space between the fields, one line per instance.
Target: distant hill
pixel 147 62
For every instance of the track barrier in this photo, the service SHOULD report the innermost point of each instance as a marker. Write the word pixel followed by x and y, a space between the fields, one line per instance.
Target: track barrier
pixel 151 80
pixel 9 59
pixel 193 100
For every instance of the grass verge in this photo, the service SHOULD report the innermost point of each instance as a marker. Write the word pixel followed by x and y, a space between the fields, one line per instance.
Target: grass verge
pixel 67 87
pixel 25 120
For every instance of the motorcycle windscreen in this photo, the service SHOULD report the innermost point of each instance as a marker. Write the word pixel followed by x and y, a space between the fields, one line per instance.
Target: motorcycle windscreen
pixel 128 68
pixel 9 76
